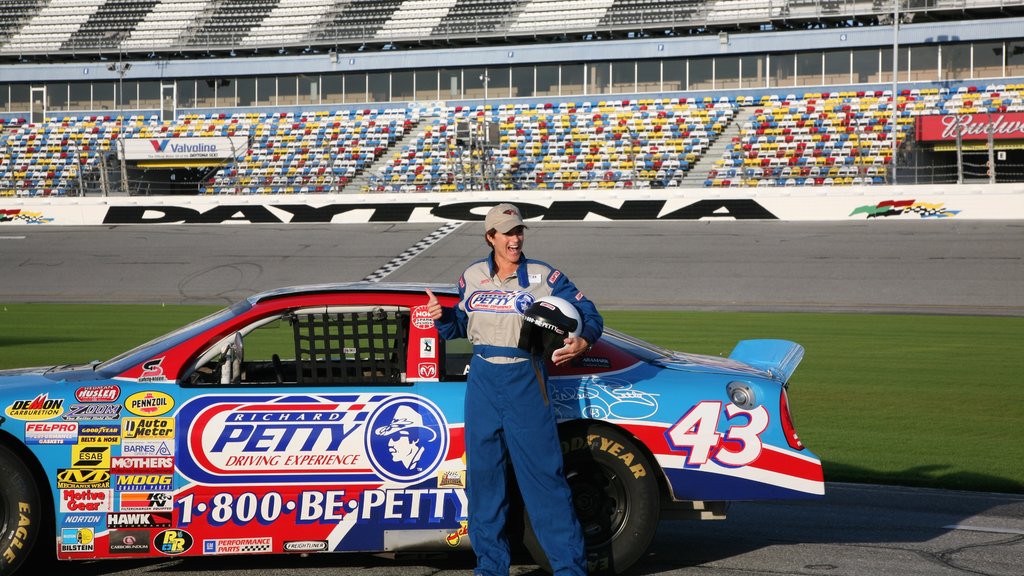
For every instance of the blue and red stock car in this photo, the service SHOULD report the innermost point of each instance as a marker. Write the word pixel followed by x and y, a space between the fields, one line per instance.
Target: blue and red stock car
pixel 330 418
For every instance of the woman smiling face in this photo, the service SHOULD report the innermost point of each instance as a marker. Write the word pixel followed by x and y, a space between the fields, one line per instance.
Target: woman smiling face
pixel 508 247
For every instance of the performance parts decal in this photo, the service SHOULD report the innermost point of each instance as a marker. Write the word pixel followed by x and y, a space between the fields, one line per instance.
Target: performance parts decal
pixel 720 209
pixel 289 439
pixel 888 208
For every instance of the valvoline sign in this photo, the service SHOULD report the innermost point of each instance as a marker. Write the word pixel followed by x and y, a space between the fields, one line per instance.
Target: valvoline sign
pixel 179 148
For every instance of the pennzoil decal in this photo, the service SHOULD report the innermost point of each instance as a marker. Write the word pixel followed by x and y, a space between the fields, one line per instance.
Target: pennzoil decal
pixel 39 408
pixel 328 438
pixel 149 403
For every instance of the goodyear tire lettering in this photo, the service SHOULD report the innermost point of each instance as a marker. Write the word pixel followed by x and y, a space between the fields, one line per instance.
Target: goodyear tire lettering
pixel 19 505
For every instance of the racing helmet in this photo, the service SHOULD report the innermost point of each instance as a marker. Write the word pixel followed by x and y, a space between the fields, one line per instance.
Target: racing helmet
pixel 547 323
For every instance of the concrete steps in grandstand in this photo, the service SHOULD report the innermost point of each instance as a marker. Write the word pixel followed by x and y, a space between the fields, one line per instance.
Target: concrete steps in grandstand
pixel 362 181
pixel 699 173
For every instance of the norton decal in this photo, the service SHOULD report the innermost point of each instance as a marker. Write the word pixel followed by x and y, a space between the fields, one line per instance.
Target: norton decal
pixel 39 408
pixel 149 403
pixel 347 438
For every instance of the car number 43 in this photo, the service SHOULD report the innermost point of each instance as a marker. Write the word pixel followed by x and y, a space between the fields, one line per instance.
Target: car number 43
pixel 697 434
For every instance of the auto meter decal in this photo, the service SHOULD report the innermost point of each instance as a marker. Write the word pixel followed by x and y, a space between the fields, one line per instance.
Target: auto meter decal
pixel 301 439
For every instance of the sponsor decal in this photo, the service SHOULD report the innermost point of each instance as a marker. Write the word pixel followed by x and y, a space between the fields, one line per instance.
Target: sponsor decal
pixel 570 210
pixel 147 428
pixel 77 539
pixel 888 208
pixel 499 301
pixel 51 432
pixel 129 541
pixel 276 439
pixel 138 520
pixel 239 545
pixel 456 537
pixel 554 277
pixel 172 542
pixel 428 348
pixel 107 434
pixel 82 519
pixel 147 448
pixel 141 464
pixel 39 408
pixel 23 216
pixel 421 318
pixel 82 478
pixel 107 393
pixel 427 371
pixel 451 479
pixel 86 500
pixel 153 371
pixel 406 439
pixel 92 412
pixel 306 546
pixel 90 456
pixel 150 501
pixel 149 403
pixel 143 482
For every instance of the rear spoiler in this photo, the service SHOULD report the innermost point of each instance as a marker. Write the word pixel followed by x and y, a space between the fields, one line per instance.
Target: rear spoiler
pixel 777 357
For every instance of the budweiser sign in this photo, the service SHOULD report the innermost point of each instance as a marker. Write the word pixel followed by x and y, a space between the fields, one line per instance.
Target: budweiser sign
pixel 1004 126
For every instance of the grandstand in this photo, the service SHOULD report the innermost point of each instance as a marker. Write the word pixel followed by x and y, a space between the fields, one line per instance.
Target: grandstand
pixel 137 97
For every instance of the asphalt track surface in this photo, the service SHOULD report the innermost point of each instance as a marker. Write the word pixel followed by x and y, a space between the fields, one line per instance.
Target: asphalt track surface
pixel 933 267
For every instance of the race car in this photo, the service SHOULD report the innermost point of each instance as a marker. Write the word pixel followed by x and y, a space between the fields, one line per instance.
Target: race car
pixel 329 418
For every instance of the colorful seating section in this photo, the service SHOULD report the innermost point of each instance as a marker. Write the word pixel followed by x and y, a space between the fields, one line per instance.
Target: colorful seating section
pixel 838 138
pixel 615 144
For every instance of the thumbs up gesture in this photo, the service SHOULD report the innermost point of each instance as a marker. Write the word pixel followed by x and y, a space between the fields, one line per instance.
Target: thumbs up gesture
pixel 433 306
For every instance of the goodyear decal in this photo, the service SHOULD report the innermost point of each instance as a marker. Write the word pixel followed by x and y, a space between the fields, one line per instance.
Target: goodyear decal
pixel 42 407
pixel 149 403
pixel 289 439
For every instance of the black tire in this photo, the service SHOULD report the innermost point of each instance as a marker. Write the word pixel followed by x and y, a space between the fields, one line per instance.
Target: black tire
pixel 21 512
pixel 616 497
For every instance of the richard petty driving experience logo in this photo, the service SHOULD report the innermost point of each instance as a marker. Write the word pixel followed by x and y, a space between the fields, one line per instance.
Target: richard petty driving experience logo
pixel 499 301
pixel 282 439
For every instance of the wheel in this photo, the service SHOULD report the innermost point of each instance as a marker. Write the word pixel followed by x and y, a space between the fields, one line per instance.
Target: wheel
pixel 21 512
pixel 615 494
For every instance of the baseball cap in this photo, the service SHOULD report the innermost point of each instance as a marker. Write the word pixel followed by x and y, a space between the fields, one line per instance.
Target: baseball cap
pixel 503 218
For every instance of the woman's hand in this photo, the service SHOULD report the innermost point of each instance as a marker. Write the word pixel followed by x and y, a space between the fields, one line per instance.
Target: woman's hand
pixel 574 347
pixel 433 306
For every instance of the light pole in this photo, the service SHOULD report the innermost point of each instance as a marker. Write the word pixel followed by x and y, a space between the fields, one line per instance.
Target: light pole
pixel 483 139
pixel 895 84
pixel 121 68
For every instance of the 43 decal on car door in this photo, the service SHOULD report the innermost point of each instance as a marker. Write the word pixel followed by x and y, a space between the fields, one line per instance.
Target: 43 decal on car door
pixel 697 434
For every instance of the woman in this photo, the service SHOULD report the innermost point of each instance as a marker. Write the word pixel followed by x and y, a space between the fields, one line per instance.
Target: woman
pixel 508 418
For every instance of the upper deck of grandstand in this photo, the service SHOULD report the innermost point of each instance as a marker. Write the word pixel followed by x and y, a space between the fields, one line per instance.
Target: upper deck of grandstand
pixel 77 28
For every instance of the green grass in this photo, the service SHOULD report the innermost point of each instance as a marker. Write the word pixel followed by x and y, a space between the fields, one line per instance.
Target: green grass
pixel 930 401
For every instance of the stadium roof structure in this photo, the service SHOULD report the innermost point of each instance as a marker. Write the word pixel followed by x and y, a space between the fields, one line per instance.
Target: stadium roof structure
pixel 41 30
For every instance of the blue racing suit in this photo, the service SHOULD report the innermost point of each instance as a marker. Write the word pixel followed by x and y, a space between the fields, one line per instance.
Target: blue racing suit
pixel 507 417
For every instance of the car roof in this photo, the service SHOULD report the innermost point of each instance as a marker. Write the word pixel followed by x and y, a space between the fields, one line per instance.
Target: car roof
pixel 348 287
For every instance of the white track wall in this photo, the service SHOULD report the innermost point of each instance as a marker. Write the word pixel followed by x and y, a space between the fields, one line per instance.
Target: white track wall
pixel 964 202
